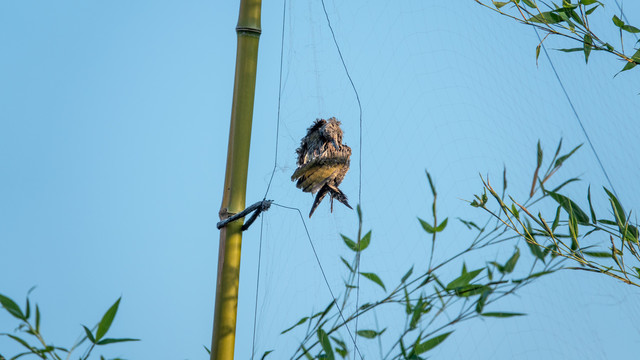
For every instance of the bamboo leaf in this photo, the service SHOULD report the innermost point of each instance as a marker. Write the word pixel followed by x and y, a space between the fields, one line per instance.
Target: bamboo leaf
pixel 570 207
pixel 515 211
pixel 628 231
pixel 555 156
pixel 324 312
pixel 480 201
pixel 407 302
pixel 569 50
pixel 431 343
pixel 564 157
pixel 27 309
pixel 616 20
pixel 470 224
pixel 106 321
pixel 463 279
pixel 499 4
pixel 325 342
pixel 588 42
pixel 427 227
pixel 306 353
pixel 433 188
pixel 402 349
pixel 416 314
pixel 535 250
pixel 546 17
pixel 300 322
pixel 628 66
pixel 556 220
pixel 590 11
pixel 113 341
pixel 557 188
pixel 539 148
pixel 89 334
pixel 501 314
pixel 597 254
pixel 573 227
pixel 346 264
pixel 635 60
pixel 21 342
pixel 574 15
pixel 11 307
pixel 406 276
pixel 471 290
pixel 364 242
pixel 498 266
pixel 482 300
pixel 616 206
pixel 538 274
pixel 442 225
pixel 350 243
pixel 37 319
pixel 369 334
pixel 593 213
pixel 338 341
pixel 607 222
pixel 511 263
pixel 373 277
pixel 504 179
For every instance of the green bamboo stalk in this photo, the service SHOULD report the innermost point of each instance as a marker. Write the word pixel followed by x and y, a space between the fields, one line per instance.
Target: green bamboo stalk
pixel 235 182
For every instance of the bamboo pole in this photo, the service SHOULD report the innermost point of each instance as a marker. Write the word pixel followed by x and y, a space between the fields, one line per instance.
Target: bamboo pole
pixel 235 182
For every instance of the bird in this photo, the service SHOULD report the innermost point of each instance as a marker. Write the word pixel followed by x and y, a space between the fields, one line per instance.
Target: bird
pixel 323 161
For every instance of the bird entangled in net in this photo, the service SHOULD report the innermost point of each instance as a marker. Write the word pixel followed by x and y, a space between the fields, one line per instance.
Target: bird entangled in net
pixel 323 162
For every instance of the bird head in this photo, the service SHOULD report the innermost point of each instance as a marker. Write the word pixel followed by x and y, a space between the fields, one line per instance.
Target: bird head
pixel 332 132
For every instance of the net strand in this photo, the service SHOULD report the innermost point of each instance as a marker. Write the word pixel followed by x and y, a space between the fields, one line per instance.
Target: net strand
pixel 353 86
pixel 324 276
pixel 275 161
pixel 273 171
pixel 575 113
pixel 255 309
pixel 275 164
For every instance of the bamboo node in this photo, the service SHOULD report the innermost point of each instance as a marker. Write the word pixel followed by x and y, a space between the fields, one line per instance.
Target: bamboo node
pixel 248 29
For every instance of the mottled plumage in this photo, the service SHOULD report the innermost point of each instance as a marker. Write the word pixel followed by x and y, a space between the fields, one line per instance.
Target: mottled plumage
pixel 323 161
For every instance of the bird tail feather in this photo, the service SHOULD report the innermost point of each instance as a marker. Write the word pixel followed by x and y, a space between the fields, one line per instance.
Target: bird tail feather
pixel 321 194
pixel 340 196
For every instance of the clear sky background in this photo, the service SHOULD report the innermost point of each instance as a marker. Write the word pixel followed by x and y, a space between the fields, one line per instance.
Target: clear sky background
pixel 114 121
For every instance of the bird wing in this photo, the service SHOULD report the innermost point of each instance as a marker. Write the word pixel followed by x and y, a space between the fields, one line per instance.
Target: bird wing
pixel 344 153
pixel 316 173
pixel 316 177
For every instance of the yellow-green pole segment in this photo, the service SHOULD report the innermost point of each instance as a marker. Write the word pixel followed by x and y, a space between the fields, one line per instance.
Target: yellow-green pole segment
pixel 235 181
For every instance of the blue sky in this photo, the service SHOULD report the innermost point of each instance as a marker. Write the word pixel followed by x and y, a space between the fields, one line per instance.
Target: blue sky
pixel 113 136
